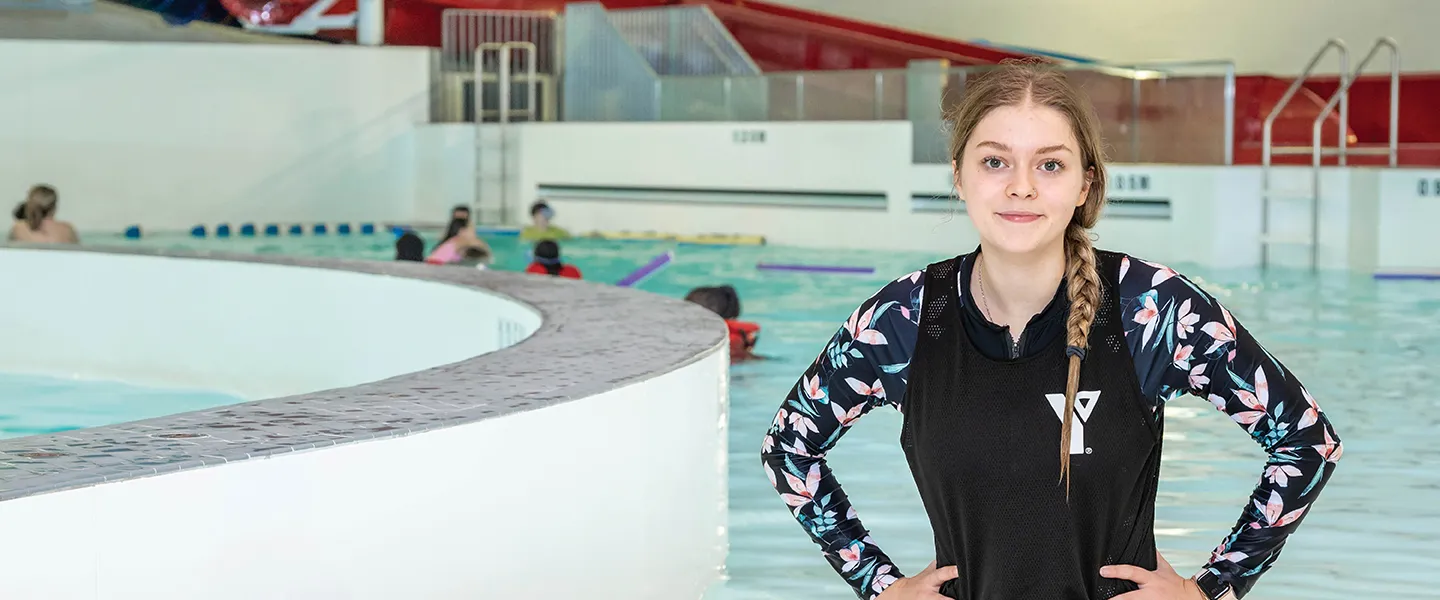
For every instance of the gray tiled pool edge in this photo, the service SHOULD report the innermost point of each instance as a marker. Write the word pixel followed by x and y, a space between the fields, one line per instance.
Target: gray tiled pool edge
pixel 593 338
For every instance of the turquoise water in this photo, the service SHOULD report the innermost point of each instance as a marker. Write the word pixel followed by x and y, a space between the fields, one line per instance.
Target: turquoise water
pixel 1369 351
pixel 36 404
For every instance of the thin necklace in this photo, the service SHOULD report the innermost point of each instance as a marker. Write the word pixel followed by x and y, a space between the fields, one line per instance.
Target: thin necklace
pixel 985 303
pixel 980 279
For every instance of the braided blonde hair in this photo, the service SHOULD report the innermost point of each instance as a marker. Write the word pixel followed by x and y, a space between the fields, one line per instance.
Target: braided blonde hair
pixel 1018 83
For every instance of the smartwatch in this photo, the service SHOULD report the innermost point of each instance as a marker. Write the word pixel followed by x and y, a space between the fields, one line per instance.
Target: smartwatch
pixel 1211 585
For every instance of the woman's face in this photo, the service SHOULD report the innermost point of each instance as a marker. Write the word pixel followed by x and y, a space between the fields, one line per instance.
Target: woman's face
pixel 1020 177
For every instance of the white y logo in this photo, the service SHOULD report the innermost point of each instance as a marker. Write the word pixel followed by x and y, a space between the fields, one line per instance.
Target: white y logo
pixel 1084 405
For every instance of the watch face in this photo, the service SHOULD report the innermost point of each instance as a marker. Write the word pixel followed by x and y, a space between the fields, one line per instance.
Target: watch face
pixel 1212 586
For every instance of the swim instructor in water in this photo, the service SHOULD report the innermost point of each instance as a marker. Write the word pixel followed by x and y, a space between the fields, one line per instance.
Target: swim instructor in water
pixel 1033 375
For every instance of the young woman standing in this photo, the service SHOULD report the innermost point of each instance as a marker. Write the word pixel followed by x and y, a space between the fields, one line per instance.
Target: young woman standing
pixel 1033 375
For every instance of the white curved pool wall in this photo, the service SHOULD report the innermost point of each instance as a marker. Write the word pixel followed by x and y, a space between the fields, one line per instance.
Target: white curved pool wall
pixel 561 467
pixel 255 330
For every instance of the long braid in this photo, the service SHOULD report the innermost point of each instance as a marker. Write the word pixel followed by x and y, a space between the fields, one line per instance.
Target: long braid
pixel 1029 82
pixel 1082 283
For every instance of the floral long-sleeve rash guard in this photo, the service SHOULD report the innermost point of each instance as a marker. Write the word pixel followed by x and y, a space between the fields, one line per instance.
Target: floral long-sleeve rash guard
pixel 1181 340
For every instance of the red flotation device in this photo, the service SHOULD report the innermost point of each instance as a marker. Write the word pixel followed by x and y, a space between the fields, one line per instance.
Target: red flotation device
pixel 743 336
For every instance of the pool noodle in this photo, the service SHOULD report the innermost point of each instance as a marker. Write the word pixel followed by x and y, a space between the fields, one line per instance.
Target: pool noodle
pixel 647 270
pixel 1419 275
pixel 815 268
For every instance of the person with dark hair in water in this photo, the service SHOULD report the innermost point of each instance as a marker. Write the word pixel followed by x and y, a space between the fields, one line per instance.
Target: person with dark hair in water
pixel 723 300
pixel 459 214
pixel 410 246
pixel 35 219
pixel 475 257
pixel 547 261
pixel 459 238
pixel 541 228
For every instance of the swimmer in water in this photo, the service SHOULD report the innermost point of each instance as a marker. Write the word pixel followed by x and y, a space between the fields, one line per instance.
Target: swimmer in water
pixel 410 247
pixel 459 237
pixel 541 228
pixel 724 301
pixel 1033 374
pixel 546 261
pixel 475 257
pixel 35 219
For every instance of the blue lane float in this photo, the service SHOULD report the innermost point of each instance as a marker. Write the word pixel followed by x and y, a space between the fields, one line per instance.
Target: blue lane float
pixel 644 272
pixel 297 230
pixel 498 231
pixel 222 230
pixel 247 230
pixel 1421 275
pixel 367 229
pixel 343 229
pixel 320 229
pixel 197 231
pixel 272 230
pixel 828 269
pixel 132 232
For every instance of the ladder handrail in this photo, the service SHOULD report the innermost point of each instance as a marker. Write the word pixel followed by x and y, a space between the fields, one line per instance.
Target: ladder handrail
pixel 1344 90
pixel 504 78
pixel 1344 51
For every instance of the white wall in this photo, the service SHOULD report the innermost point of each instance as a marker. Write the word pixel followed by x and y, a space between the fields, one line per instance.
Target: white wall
pixel 170 135
pixel 1409 220
pixel 1277 36
pixel 852 185
pixel 255 330
pixel 1211 212
pixel 1349 213
pixel 637 505
pixel 1214 210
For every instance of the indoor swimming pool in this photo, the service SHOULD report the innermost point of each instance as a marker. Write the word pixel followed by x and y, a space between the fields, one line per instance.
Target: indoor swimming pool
pixel 36 404
pixel 1368 350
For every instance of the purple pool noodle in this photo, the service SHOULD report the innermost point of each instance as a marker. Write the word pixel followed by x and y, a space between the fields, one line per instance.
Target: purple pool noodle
pixel 647 270
pixel 1410 275
pixel 815 268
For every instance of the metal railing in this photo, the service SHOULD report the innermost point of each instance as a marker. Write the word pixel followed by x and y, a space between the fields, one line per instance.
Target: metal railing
pixel 1267 148
pixel 605 78
pixel 1162 112
pixel 464 30
pixel 1341 95
pixel 683 40
pixel 493 144
pixel 1316 149
pixel 1148 79
pixel 681 64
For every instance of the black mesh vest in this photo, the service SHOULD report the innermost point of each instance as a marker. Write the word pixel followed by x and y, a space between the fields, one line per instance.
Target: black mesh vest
pixel 983 441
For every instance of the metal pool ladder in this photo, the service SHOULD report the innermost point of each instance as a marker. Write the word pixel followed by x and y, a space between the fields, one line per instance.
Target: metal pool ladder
pixel 494 142
pixel 1341 96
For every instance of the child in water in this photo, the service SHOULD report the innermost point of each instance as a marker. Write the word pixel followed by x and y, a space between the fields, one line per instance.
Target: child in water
pixel 547 261
pixel 541 228
pixel 723 300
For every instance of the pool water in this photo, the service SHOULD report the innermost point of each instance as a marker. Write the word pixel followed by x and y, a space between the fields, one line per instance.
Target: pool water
pixel 1369 351
pixel 36 404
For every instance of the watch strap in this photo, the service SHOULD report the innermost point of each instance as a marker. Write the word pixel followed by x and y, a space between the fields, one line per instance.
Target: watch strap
pixel 1211 585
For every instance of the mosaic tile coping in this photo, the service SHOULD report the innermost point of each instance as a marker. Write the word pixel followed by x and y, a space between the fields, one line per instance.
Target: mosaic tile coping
pixel 572 355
